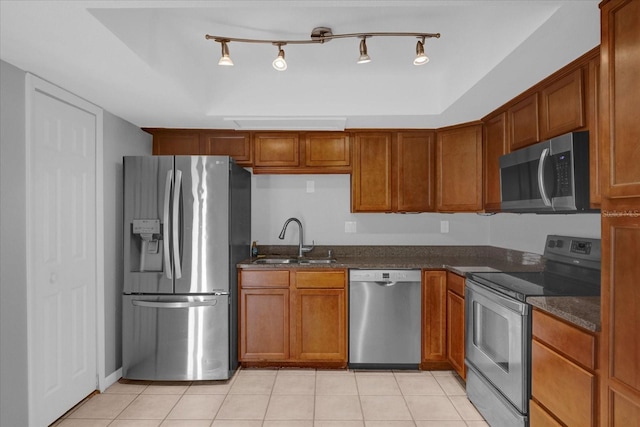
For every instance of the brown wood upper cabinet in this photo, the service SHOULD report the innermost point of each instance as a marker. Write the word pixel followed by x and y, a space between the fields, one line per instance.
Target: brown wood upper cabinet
pixel 459 168
pixel 327 149
pixel 195 142
pixel 175 142
pixel 562 105
pixel 276 149
pixel 524 126
pixel 495 145
pixel 234 144
pixel 393 172
pixel 302 152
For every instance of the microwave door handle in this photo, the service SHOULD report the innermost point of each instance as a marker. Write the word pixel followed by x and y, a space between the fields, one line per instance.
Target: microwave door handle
pixel 543 191
pixel 177 262
pixel 165 227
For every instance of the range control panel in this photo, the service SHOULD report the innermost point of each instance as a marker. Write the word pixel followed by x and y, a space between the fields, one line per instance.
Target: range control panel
pixel 573 250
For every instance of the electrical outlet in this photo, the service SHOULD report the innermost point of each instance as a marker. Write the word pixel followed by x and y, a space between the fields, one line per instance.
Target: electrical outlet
pixel 349 226
pixel 444 226
pixel 311 186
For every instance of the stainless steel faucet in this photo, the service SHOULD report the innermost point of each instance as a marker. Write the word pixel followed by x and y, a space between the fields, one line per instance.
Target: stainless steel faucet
pixel 301 247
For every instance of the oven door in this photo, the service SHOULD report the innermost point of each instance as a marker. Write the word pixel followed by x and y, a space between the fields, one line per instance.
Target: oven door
pixel 497 345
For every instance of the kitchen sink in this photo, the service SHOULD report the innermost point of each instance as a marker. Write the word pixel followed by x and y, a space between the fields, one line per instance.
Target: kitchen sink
pixel 275 261
pixel 294 261
pixel 317 261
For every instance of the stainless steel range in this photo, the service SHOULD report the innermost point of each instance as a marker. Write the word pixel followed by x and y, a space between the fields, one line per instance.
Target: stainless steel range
pixel 498 325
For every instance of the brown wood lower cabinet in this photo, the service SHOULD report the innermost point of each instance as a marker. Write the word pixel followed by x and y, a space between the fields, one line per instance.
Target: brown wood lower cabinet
pixel 455 323
pixel 434 320
pixel 563 378
pixel 293 317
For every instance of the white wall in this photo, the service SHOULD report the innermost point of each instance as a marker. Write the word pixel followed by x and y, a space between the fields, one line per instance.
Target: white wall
pixel 120 138
pixel 13 250
pixel 527 232
pixel 323 214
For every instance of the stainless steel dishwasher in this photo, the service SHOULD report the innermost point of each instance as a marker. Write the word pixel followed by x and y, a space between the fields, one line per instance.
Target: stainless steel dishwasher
pixel 384 319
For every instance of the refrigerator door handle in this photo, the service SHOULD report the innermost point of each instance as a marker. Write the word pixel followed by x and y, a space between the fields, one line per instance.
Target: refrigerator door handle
pixel 174 304
pixel 177 262
pixel 165 234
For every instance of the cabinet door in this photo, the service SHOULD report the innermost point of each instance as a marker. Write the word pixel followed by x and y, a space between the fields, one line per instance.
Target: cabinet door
pixel 327 149
pixel 495 145
pixel 538 417
pixel 455 323
pixel 415 171
pixel 523 123
pixel 620 86
pixel 459 169
pixel 277 149
pixel 264 324
pixel 562 106
pixel 620 314
pixel 176 143
pixel 320 325
pixel 234 144
pixel 371 177
pixel 434 318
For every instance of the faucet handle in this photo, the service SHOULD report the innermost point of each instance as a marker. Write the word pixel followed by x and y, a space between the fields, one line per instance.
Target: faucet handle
pixel 309 248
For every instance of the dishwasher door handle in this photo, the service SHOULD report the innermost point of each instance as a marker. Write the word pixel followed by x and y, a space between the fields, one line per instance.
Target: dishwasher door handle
pixel 386 284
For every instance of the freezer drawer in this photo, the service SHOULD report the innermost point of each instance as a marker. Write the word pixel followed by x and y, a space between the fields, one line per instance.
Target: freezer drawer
pixel 178 338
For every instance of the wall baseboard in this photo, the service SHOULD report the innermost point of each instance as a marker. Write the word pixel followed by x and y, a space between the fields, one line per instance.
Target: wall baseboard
pixel 112 379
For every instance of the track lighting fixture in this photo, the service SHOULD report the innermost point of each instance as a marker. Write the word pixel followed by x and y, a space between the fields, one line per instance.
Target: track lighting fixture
pixel 225 59
pixel 279 63
pixel 364 57
pixel 420 58
pixel 321 35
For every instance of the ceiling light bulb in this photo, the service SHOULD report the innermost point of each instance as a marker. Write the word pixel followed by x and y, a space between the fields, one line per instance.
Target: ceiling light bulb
pixel 279 63
pixel 420 58
pixel 364 57
pixel 225 59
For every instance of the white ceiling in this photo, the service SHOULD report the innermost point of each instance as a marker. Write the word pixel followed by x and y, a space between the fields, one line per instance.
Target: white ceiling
pixel 149 63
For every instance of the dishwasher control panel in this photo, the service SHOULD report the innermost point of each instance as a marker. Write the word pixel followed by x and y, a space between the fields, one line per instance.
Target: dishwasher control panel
pixel 384 275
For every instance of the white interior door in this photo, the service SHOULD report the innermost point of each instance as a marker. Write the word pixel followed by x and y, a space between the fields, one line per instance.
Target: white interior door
pixel 62 255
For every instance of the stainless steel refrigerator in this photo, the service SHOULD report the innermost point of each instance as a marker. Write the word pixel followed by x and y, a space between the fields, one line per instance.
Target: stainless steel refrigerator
pixel 187 223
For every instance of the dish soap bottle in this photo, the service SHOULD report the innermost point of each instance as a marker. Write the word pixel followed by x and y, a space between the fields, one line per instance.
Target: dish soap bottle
pixel 254 249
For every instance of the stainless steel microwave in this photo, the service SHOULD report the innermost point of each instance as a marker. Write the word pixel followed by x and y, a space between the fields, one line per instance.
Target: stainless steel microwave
pixel 550 176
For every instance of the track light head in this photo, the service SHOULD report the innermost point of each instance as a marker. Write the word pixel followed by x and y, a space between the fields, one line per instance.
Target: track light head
pixel 420 58
pixel 279 63
pixel 364 57
pixel 225 59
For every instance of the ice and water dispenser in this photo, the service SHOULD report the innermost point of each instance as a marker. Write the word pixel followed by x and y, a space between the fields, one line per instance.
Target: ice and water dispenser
pixel 146 245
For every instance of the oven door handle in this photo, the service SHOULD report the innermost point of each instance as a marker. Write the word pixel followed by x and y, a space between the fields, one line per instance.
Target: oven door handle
pixel 508 303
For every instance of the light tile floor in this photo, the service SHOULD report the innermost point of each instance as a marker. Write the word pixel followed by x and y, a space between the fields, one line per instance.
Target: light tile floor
pixel 285 398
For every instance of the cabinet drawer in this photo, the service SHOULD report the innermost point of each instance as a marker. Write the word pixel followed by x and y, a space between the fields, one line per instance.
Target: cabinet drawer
pixel 264 279
pixel 567 390
pixel 455 283
pixel 576 344
pixel 321 279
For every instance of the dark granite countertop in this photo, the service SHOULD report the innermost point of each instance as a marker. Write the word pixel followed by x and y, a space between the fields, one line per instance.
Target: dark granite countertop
pixel 459 259
pixel 581 311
